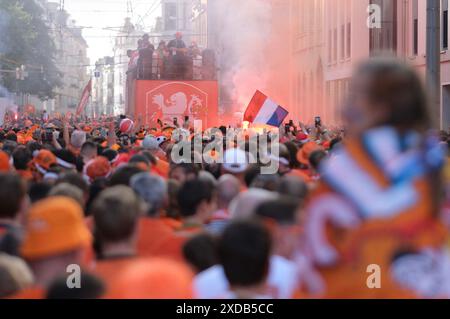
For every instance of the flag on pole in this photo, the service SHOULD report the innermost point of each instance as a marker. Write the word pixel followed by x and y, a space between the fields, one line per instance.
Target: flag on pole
pixel 84 98
pixel 263 110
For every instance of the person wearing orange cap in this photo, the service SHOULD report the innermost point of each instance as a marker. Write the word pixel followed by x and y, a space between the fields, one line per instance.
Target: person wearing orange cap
pixel 153 279
pixel 379 199
pixel 97 168
pixel 55 237
pixel 42 163
pixel 152 145
pixel 178 60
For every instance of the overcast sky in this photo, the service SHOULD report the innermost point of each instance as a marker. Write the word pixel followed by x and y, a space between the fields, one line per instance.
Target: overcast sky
pixel 95 15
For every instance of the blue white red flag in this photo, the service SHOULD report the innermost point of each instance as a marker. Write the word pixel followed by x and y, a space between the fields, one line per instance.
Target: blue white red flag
pixel 263 110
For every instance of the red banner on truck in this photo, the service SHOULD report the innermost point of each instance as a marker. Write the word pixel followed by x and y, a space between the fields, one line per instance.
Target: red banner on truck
pixel 167 100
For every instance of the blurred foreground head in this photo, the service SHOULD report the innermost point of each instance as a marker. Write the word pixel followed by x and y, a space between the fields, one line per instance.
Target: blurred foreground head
pixel 244 251
pixel 385 91
pixel 55 236
pixel 14 275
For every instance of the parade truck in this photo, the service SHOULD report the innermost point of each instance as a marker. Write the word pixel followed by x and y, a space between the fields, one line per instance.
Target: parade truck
pixel 157 90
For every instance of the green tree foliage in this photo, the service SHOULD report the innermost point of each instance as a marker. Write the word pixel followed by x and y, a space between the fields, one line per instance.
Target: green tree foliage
pixel 25 39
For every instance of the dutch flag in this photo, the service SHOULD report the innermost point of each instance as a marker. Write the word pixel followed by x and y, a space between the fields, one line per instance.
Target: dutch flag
pixel 263 110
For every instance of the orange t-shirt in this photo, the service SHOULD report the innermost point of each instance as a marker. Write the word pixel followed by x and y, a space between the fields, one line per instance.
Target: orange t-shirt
pixel 130 279
pixel 152 234
pixel 172 223
pixel 161 168
pixel 109 270
pixel 172 248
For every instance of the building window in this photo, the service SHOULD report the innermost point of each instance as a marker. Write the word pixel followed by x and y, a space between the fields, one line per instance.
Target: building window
pixel 415 24
pixel 385 38
pixel 328 100
pixel 330 46
pixel 299 91
pixel 349 40
pixel 170 22
pixel 445 24
pixel 343 41
pixel 335 85
pixel 301 11
pixel 185 15
pixel 335 44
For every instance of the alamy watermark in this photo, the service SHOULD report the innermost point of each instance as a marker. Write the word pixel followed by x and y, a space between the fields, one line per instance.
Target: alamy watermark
pixel 375 15
pixel 374 279
pixel 73 280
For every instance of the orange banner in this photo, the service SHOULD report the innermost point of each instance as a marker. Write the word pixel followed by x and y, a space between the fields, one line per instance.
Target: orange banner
pixel 167 100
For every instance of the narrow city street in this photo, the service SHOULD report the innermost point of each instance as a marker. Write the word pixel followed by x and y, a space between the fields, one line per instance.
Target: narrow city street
pixel 232 158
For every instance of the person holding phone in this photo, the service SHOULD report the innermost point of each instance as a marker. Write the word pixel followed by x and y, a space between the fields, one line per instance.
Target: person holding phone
pixel 178 61
pixel 318 121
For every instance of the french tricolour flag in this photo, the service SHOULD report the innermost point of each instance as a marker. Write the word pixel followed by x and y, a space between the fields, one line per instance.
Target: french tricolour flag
pixel 263 110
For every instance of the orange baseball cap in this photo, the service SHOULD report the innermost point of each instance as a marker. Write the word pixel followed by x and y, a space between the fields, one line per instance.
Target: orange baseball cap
pixel 98 167
pixel 154 278
pixel 45 159
pixel 5 164
pixel 54 225
pixel 306 150
pixel 87 129
pixel 115 147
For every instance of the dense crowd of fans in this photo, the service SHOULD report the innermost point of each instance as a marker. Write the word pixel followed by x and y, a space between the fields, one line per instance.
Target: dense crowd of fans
pixel 107 196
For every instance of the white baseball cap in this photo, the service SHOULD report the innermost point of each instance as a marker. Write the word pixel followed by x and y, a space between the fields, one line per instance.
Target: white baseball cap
pixel 235 160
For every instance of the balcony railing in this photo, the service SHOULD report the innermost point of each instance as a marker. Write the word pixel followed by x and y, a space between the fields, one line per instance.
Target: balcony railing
pixel 200 68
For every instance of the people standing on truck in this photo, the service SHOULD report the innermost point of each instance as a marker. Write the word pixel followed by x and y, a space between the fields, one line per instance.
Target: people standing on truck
pixel 146 43
pixel 195 61
pixel 146 50
pixel 178 61
pixel 163 55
